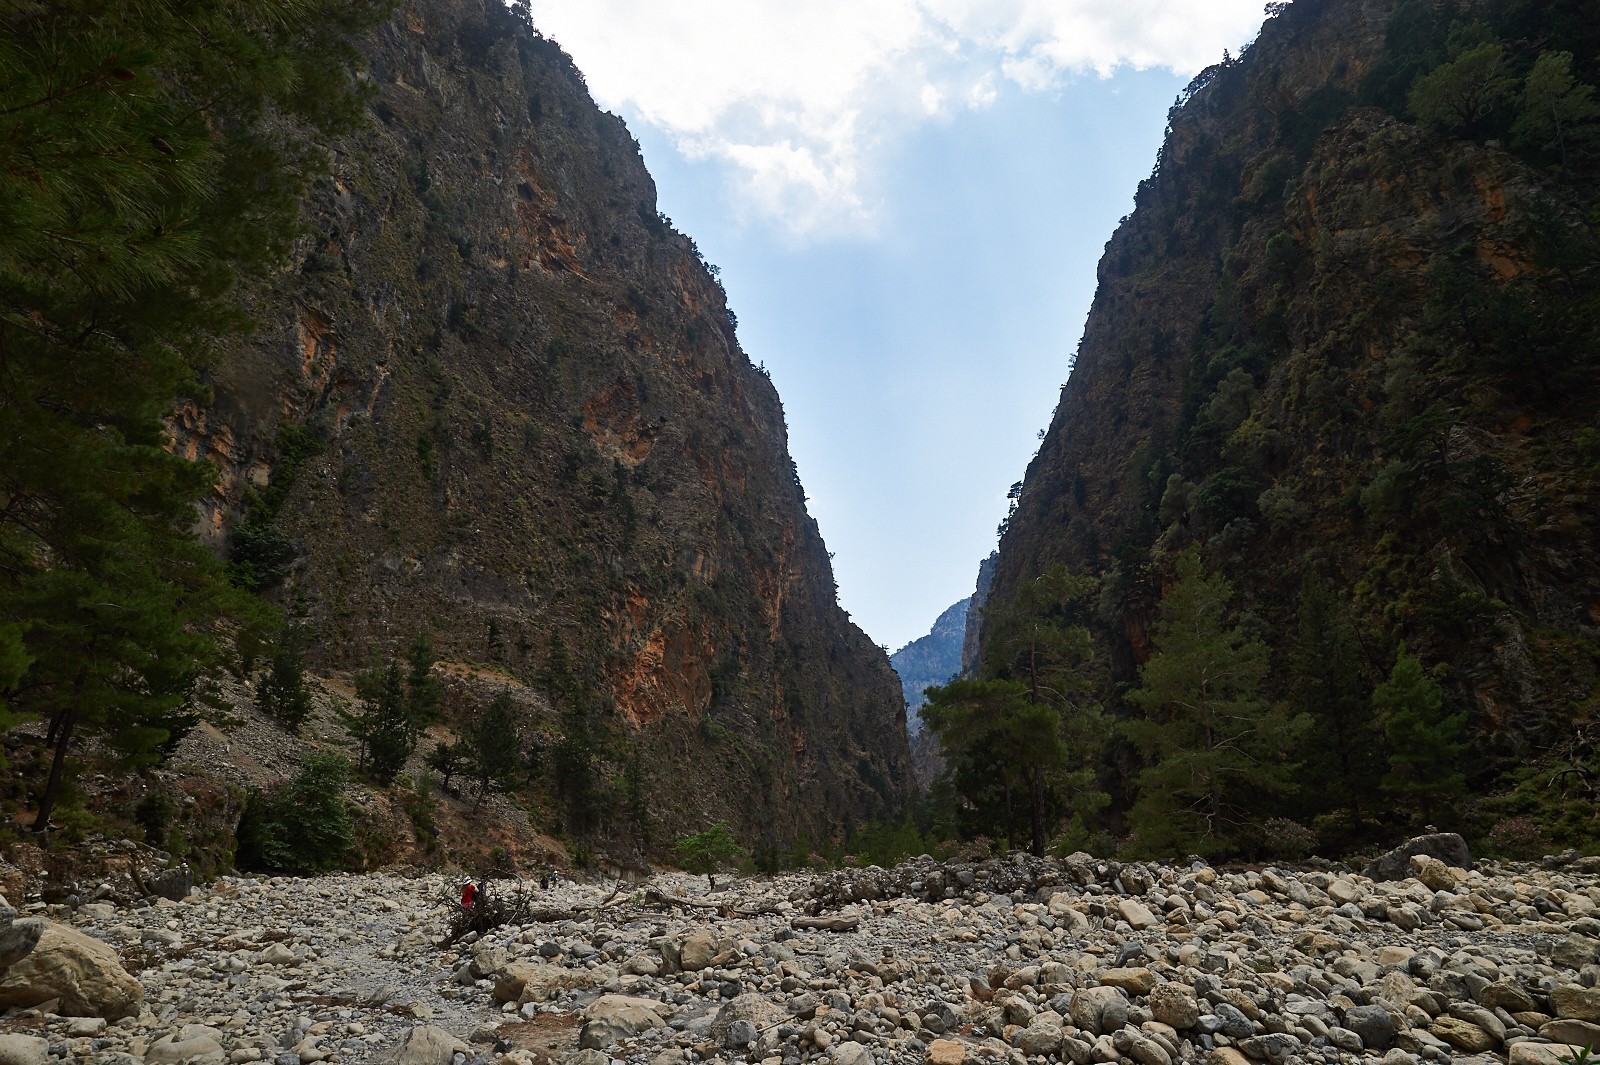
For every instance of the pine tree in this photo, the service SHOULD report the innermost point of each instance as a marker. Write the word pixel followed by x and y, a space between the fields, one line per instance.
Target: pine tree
pixel 1209 740
pixel 383 725
pixel 572 760
pixel 423 690
pixel 491 742
pixel 1457 94
pixel 283 693
pixel 151 154
pixel 1426 742
pixel 1026 739
pixel 997 747
pixel 1329 684
pixel 447 759
pixel 1557 110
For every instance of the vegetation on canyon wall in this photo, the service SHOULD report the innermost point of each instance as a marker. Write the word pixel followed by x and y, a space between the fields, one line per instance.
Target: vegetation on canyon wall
pixel 1328 451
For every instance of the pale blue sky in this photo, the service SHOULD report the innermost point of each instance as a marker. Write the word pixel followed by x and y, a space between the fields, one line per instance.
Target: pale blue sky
pixel 908 234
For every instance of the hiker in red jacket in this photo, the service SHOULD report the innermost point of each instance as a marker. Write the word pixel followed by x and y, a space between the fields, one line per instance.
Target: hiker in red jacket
pixel 468 893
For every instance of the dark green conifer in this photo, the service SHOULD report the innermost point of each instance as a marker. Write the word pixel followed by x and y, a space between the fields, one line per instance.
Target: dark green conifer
pixel 491 744
pixel 1426 742
pixel 1211 743
pixel 1342 746
pixel 423 690
pixel 1021 745
pixel 383 724
pixel 283 693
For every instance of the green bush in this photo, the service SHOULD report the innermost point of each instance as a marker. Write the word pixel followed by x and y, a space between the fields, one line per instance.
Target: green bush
pixel 154 814
pixel 707 851
pixel 303 825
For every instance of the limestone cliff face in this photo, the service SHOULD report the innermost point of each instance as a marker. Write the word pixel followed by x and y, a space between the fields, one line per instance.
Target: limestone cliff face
pixel 499 401
pixel 972 632
pixel 1333 340
pixel 930 660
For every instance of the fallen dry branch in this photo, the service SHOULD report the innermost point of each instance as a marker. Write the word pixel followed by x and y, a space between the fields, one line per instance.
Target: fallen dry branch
pixel 489 911
pixel 827 924
pixel 661 900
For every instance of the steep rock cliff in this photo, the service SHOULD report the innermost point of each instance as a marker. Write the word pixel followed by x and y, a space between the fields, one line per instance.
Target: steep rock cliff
pixel 930 660
pixel 1334 343
pixel 971 635
pixel 498 401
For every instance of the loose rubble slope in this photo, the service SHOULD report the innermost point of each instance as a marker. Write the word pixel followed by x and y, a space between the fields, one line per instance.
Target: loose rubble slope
pixel 1009 960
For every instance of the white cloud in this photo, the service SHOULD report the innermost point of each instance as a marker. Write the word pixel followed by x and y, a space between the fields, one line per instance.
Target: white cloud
pixel 795 94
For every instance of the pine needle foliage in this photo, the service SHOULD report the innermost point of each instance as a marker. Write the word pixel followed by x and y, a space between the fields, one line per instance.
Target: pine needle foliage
pixel 151 153
pixel 1426 742
pixel 1212 745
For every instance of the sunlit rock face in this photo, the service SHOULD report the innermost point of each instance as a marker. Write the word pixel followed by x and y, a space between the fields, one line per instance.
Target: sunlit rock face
pixel 498 401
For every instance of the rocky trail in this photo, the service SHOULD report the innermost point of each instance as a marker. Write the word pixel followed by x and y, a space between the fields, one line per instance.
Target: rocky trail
pixel 1012 961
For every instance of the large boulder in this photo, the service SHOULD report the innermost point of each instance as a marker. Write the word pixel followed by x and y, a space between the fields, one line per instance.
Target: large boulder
pixel 174 883
pixel 1174 1005
pixel 17 1049
pixel 696 950
pixel 523 981
pixel 1576 1003
pixel 610 1019
pixel 1099 1009
pixel 1448 847
pixel 427 1045
pixel 84 973
pixel 18 938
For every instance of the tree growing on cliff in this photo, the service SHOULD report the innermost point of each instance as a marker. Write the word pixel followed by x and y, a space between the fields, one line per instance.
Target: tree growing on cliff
pixel 396 706
pixel 490 746
pixel 283 693
pixel 573 757
pixel 1457 94
pixel 1557 110
pixel 381 723
pixel 1210 742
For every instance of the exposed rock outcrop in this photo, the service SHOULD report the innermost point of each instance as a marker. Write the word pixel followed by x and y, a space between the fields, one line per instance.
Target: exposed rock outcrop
pixel 498 401
pixel 930 660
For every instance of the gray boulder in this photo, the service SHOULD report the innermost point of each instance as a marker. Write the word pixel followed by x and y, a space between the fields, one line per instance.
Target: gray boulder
pixel 427 1045
pixel 18 939
pixel 174 883
pixel 1373 1024
pixel 1448 847
pixel 17 1049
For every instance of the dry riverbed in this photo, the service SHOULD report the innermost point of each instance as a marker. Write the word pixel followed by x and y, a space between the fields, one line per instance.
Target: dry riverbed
pixel 1010 961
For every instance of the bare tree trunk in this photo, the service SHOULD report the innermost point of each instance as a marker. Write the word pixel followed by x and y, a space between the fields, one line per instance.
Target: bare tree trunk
pixel 68 720
pixel 1036 797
